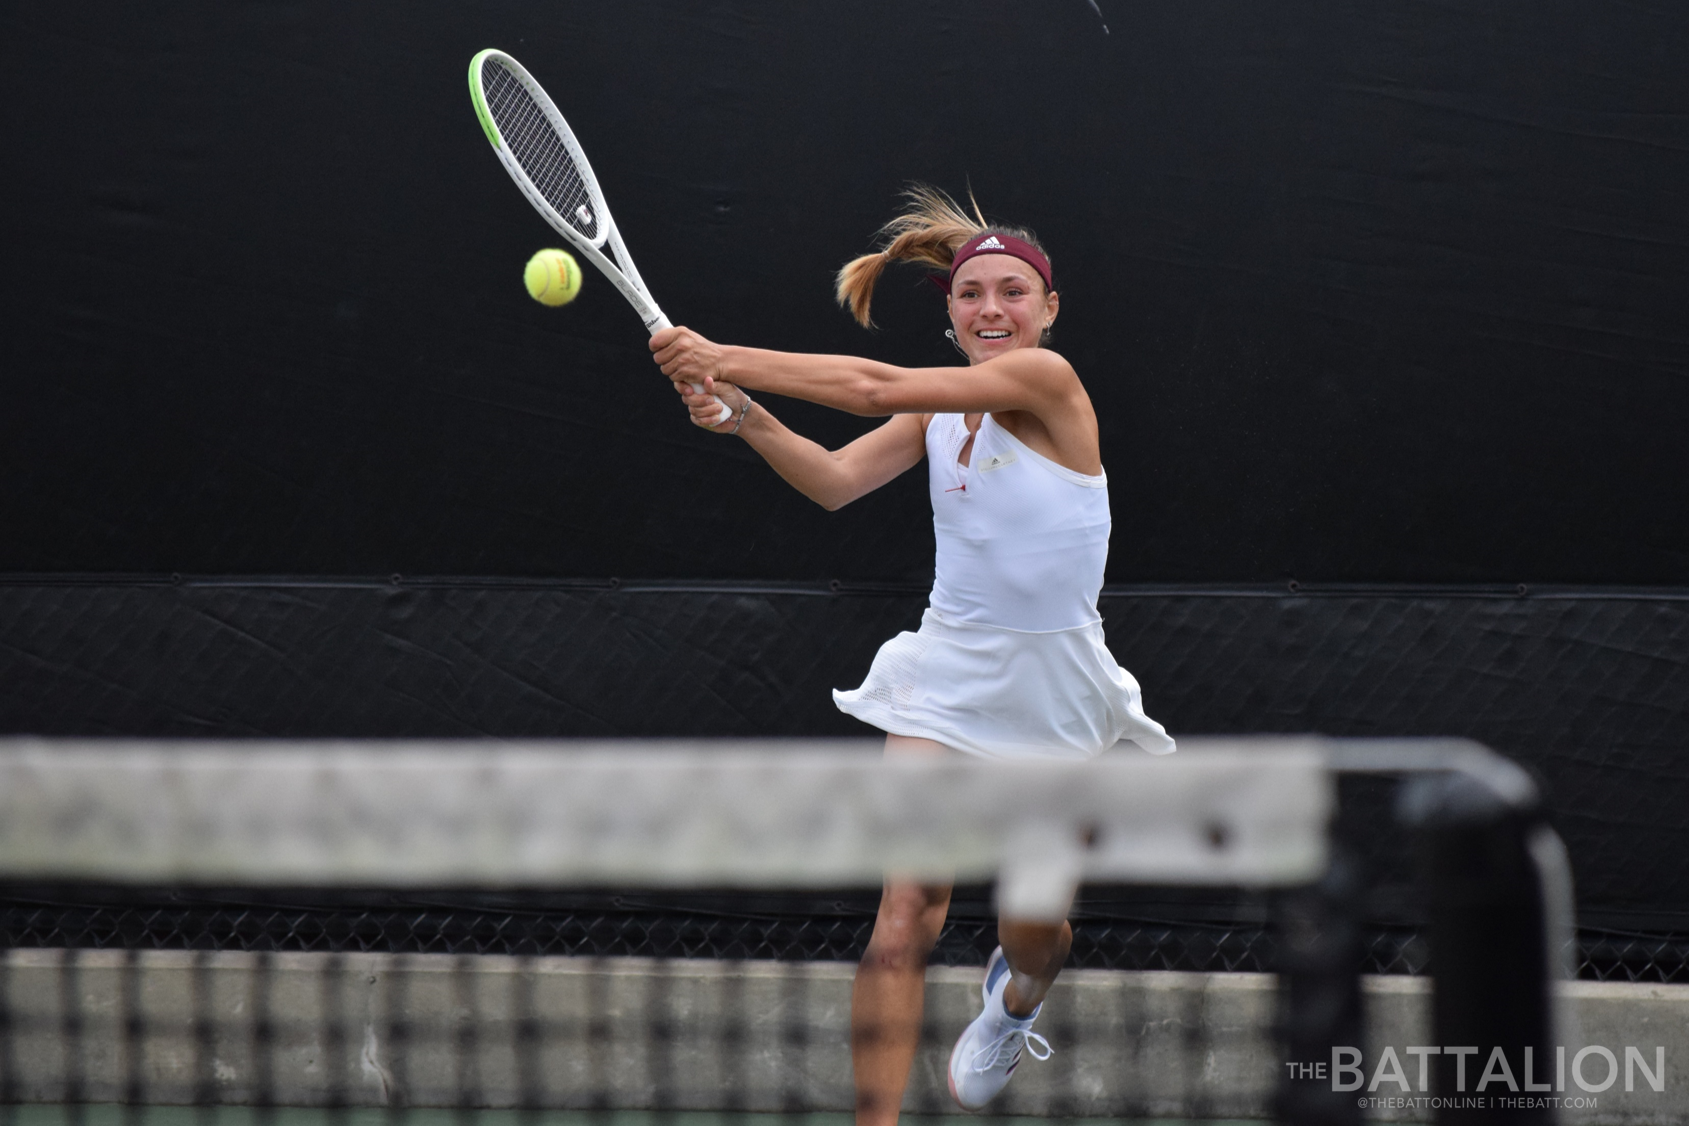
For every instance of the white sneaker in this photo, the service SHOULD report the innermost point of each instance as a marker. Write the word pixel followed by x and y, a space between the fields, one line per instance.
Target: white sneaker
pixel 990 1048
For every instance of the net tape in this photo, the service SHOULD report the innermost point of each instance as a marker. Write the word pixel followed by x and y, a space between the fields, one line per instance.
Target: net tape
pixel 786 814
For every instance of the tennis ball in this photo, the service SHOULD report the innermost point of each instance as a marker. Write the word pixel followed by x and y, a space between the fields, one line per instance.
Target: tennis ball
pixel 553 277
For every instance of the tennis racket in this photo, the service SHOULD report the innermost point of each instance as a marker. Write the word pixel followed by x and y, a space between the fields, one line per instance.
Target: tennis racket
pixel 540 152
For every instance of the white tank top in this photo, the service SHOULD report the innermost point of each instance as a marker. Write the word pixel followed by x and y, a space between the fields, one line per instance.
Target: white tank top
pixel 1021 540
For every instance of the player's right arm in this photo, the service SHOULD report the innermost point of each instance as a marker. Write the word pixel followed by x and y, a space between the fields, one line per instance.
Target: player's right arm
pixel 830 478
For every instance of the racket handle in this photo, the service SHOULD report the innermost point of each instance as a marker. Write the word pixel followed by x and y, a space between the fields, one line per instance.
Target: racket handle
pixel 658 324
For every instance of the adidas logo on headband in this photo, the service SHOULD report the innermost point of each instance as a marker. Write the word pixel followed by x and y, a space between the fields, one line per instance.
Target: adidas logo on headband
pixel 990 243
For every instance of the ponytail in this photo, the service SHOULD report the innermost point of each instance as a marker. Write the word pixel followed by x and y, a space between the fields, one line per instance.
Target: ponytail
pixel 931 229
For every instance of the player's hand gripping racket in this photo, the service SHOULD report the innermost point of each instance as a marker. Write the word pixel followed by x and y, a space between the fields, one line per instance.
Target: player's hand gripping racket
pixel 537 148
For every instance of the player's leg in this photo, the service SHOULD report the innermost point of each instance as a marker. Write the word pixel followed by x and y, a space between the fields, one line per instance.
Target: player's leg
pixel 887 997
pixel 890 988
pixel 1035 952
pixel 1017 977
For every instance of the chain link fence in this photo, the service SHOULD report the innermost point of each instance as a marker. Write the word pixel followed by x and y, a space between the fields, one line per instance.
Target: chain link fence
pixel 747 928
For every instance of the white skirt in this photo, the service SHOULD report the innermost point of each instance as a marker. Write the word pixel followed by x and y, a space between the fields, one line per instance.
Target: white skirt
pixel 1002 693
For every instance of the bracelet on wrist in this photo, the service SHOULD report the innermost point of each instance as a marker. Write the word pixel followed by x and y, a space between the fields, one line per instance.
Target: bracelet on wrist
pixel 743 411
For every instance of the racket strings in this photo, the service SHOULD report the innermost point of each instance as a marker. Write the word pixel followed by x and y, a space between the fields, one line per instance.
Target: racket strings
pixel 538 149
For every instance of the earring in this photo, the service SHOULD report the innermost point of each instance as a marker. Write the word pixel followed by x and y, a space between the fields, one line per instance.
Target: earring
pixel 957 344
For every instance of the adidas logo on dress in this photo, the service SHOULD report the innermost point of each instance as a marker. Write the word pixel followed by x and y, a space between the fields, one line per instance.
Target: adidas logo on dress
pixel 990 244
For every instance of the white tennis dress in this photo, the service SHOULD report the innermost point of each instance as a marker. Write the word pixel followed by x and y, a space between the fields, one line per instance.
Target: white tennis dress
pixel 1009 661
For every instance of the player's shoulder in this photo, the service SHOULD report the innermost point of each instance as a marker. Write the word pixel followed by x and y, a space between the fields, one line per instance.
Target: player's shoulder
pixel 1039 364
pixel 1033 357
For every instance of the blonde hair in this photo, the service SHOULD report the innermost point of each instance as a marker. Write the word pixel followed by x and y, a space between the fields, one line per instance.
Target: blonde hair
pixel 930 230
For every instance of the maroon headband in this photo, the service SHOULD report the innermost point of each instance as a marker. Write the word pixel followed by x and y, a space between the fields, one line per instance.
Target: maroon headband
pixel 995 242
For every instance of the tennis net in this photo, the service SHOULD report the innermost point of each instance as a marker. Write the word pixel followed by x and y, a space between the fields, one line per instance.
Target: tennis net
pixel 250 825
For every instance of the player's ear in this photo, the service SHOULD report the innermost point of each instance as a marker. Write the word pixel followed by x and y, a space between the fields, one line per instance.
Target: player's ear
pixel 1052 303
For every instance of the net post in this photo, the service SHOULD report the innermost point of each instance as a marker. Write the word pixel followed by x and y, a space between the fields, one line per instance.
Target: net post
pixel 1490 904
pixel 1318 957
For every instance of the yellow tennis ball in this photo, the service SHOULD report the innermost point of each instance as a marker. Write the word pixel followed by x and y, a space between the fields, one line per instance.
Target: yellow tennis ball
pixel 553 277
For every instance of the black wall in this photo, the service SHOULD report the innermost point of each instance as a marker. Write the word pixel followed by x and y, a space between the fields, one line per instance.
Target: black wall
pixel 1387 293
pixel 1364 291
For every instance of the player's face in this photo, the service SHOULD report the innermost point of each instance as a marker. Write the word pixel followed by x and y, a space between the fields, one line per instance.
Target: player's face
pixel 998 303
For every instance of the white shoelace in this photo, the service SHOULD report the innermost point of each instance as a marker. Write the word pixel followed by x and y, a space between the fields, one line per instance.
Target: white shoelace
pixel 1002 1049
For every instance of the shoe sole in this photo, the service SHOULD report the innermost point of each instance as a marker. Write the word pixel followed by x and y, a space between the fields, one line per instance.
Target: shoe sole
pixel 950 1078
pixel 950 1072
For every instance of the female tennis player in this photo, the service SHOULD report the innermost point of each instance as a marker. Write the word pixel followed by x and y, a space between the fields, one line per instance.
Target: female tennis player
pixel 1009 660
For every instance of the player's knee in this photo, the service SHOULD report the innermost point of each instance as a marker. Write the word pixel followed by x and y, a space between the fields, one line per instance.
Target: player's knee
pixel 906 928
pixel 902 950
pixel 916 903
